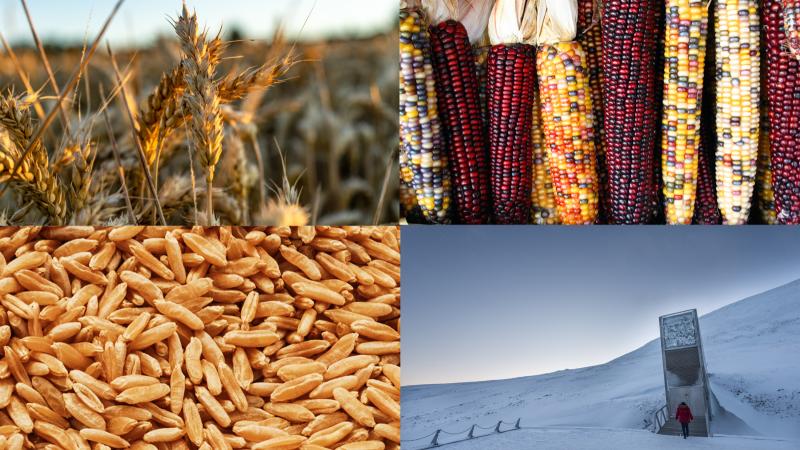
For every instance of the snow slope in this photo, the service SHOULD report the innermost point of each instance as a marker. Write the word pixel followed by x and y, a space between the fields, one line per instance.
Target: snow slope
pixel 752 349
pixel 614 439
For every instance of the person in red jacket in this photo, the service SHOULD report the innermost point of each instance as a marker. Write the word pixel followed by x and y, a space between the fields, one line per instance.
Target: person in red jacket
pixel 684 416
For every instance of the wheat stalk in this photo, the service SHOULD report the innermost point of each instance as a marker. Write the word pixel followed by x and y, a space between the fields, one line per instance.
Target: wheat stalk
pixel 32 179
pixel 201 97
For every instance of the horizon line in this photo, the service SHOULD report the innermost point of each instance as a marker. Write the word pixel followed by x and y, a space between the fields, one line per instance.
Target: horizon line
pixel 599 364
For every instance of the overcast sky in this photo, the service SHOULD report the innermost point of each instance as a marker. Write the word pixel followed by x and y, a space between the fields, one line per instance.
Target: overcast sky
pixel 484 303
pixel 139 21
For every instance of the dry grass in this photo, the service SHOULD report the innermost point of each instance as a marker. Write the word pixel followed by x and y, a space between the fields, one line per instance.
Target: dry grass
pixel 286 134
pixel 202 337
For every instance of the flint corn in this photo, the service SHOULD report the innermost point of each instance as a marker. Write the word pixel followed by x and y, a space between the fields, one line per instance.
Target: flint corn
pixel 737 106
pixel 684 60
pixel 569 131
pixel 630 41
pixel 419 121
pixel 459 101
pixel 510 96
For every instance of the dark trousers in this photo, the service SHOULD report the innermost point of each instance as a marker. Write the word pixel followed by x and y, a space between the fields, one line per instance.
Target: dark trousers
pixel 685 429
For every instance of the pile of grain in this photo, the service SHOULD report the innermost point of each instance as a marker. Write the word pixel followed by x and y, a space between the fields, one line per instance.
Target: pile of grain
pixel 220 337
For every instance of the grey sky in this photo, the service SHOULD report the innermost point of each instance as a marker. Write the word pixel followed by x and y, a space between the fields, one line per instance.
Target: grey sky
pixel 139 21
pixel 495 302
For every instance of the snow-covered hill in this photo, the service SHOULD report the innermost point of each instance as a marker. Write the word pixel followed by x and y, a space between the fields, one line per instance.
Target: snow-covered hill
pixel 613 439
pixel 752 348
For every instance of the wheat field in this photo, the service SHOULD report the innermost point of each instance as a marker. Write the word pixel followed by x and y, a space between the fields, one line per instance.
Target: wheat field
pixel 285 133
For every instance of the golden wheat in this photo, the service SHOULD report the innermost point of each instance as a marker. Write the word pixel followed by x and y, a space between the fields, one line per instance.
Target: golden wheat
pixel 33 178
pixel 330 118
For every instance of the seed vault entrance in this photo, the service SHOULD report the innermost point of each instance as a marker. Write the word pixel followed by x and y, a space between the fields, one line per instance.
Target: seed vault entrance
pixel 685 378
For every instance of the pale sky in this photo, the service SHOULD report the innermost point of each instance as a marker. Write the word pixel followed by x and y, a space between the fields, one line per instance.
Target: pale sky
pixel 485 303
pixel 139 21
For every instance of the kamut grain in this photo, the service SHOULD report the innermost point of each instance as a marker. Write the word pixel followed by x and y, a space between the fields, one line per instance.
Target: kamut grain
pixel 149 337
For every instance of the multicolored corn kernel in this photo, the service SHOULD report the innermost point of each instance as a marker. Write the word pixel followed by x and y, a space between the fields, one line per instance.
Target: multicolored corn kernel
pixel 419 121
pixel 543 194
pixel 783 95
pixel 736 27
pixel 684 60
pixel 510 85
pixel 568 124
pixel 630 108
pixel 459 107
pixel 706 211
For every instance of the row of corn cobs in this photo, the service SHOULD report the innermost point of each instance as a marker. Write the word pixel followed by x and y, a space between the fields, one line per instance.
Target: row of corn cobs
pixel 628 124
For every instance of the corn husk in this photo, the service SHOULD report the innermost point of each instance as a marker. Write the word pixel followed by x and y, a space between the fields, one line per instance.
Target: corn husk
pixel 556 21
pixel 473 14
pixel 513 22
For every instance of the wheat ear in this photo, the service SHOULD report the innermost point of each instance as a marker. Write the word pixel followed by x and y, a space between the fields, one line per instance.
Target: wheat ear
pixel 163 112
pixel 235 87
pixel 155 113
pixel 201 97
pixel 33 179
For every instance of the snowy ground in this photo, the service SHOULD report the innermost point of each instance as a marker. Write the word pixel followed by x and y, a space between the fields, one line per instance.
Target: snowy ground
pixel 751 349
pixel 611 439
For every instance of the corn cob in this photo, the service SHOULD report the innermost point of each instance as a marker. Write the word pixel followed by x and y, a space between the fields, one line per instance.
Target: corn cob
pixel 783 94
pixel 509 88
pixel 543 196
pixel 630 37
pixel 737 118
pixel 567 114
pixel 685 48
pixel 791 23
pixel 419 120
pixel 457 93
pixel 590 36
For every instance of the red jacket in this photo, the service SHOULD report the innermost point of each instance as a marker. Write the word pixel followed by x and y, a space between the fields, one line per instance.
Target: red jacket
pixel 684 414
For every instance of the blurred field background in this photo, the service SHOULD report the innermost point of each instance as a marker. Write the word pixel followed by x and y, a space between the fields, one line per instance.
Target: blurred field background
pixel 331 116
